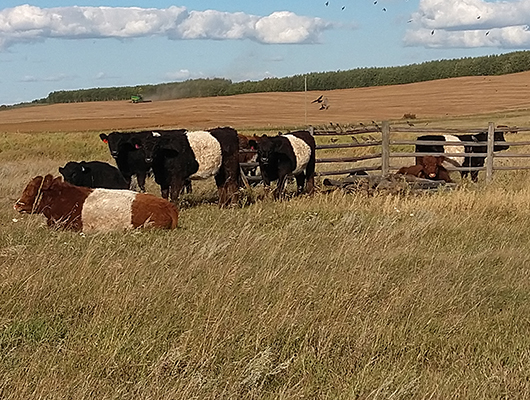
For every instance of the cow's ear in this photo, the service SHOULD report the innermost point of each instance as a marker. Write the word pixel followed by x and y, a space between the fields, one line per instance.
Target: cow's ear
pixel 104 138
pixel 47 182
pixel 253 144
pixel 61 170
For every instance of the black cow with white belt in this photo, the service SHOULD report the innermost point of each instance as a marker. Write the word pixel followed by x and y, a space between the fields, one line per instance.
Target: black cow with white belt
pixel 288 154
pixel 178 156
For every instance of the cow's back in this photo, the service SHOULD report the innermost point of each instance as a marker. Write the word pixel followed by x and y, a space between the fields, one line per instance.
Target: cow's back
pixel 105 176
pixel 107 210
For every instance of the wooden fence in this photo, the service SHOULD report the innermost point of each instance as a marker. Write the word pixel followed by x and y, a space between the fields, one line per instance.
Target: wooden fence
pixel 385 143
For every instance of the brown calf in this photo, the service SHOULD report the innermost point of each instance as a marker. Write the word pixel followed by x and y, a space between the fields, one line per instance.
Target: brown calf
pixel 84 209
pixel 430 168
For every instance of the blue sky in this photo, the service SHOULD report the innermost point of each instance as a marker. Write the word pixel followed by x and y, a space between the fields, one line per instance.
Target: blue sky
pixel 68 44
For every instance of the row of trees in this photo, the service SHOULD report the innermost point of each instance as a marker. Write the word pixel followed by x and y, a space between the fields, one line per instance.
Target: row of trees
pixel 360 77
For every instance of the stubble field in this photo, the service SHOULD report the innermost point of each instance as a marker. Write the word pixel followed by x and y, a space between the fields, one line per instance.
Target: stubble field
pixel 337 296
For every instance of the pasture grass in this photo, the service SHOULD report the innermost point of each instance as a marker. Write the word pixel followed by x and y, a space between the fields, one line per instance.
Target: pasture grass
pixel 335 296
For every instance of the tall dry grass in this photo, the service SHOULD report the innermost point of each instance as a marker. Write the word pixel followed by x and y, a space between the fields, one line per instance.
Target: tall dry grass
pixel 338 296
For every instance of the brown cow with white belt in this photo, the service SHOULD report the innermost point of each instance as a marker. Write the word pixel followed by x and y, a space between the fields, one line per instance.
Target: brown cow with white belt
pixel 84 209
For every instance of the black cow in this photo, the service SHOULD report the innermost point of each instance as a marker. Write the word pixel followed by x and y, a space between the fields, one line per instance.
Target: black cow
pixel 281 155
pixel 130 159
pixel 179 156
pixel 93 174
pixel 463 161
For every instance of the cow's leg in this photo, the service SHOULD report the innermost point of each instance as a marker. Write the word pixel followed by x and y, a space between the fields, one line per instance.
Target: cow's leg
pixel 175 189
pixel 467 163
pixel 310 176
pixel 164 192
pixel 227 181
pixel 278 193
pixel 300 183
pixel 140 177
pixel 474 176
pixel 227 189
pixel 188 186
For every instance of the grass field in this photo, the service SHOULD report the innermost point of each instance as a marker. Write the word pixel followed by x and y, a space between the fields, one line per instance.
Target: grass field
pixel 335 296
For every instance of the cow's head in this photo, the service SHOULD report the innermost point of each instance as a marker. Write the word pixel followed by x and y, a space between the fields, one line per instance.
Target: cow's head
pixel 76 173
pixel 149 144
pixel 115 141
pixel 431 166
pixel 30 201
pixel 498 136
pixel 265 146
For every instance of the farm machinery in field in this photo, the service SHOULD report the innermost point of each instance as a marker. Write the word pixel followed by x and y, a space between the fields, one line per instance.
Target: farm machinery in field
pixel 139 99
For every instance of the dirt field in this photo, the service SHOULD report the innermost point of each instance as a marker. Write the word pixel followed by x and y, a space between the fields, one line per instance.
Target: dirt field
pixel 443 98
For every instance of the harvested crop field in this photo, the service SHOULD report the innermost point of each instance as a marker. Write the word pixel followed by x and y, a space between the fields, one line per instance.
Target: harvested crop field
pixel 437 99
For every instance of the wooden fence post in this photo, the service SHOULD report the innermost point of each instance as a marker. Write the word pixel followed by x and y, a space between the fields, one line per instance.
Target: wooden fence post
pixel 489 158
pixel 385 149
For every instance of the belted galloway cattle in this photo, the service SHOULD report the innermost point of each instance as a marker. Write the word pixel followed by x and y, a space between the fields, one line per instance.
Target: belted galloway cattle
pixel 284 155
pixel 178 156
pixel 78 208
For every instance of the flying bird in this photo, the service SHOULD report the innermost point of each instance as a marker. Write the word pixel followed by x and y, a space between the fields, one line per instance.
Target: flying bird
pixel 319 100
pixel 325 104
pixel 327 3
pixel 343 7
pixel 384 9
pixel 478 17
pixel 432 32
pixel 375 2
pixel 487 33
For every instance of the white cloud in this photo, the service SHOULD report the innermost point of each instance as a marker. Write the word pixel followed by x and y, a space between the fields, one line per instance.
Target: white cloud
pixel 183 74
pixel 103 76
pixel 50 78
pixel 470 23
pixel 26 23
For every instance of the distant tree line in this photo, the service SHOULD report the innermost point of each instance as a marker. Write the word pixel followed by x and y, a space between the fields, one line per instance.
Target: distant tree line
pixel 355 78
